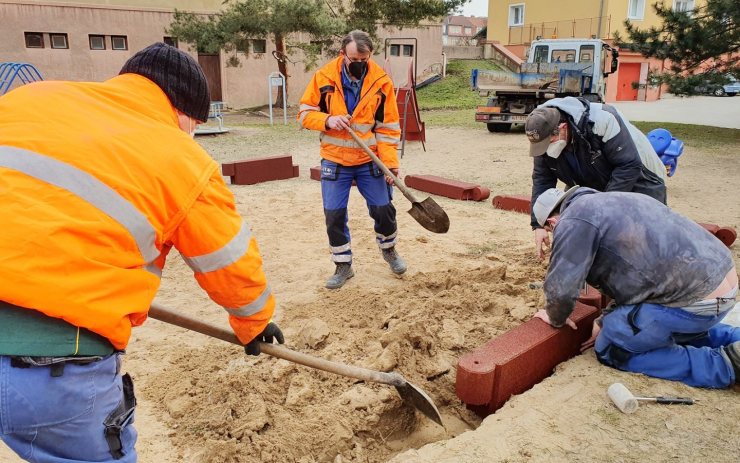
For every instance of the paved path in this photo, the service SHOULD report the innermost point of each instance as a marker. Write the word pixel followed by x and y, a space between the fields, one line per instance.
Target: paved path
pixel 700 110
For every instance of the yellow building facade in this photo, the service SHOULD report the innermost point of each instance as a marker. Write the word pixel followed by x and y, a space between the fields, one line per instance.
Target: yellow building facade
pixel 515 23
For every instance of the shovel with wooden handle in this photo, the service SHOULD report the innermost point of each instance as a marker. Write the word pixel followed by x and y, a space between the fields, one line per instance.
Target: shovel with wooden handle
pixel 410 394
pixel 428 213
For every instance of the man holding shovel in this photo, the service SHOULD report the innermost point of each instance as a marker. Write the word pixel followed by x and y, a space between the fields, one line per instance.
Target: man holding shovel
pixel 353 93
pixel 98 181
pixel 672 283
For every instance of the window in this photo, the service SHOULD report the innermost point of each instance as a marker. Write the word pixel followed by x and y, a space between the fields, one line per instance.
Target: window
pixel 58 40
pixel 563 56
pixel 34 39
pixel 242 45
pixel 587 54
pixel 683 5
pixel 457 30
pixel 97 42
pixel 636 9
pixel 171 41
pixel 468 31
pixel 118 42
pixel 516 14
pixel 395 50
pixel 408 50
pixel 540 53
pixel 259 45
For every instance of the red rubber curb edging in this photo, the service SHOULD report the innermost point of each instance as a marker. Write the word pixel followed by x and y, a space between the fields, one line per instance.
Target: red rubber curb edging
pixel 516 203
pixel 517 360
pixel 260 170
pixel 446 187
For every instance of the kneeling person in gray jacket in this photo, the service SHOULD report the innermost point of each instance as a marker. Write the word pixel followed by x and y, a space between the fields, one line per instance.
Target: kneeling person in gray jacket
pixel 672 283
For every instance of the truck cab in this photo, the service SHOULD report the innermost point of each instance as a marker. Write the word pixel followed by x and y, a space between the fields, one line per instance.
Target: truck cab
pixel 554 68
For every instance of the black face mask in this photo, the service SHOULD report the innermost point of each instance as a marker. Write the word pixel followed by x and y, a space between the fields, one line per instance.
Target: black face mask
pixel 357 69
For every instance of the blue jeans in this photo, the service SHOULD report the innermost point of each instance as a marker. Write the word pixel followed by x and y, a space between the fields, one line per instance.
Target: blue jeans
pixel 669 343
pixel 60 419
pixel 336 182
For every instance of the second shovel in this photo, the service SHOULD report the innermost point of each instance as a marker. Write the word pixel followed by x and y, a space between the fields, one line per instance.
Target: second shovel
pixel 428 213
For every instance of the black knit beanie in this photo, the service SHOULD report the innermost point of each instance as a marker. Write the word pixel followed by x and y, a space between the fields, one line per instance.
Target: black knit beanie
pixel 177 74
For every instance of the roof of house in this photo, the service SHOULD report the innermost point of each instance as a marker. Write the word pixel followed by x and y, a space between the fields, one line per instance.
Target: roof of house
pixel 466 21
pixel 473 22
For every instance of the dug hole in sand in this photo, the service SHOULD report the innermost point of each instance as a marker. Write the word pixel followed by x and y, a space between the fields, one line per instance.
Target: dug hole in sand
pixel 203 400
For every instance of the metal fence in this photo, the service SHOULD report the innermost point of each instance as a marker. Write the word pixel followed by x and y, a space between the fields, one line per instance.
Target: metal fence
pixel 599 27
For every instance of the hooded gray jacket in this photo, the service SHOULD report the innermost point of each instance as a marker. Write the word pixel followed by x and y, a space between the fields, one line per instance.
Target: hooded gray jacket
pixel 633 249
pixel 606 153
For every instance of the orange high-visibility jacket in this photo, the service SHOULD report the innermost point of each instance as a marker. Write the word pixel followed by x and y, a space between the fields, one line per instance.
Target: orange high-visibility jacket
pixel 97 183
pixel 375 118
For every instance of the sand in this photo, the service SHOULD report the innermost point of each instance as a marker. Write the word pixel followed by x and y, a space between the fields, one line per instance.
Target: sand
pixel 202 400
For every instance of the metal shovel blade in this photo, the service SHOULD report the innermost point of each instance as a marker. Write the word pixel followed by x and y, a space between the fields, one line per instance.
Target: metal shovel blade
pixel 418 399
pixel 430 215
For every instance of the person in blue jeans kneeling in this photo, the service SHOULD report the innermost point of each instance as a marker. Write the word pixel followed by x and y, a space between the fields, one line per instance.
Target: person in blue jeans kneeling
pixel 671 281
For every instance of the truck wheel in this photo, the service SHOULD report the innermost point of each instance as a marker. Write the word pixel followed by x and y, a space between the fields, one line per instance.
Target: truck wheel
pixel 498 127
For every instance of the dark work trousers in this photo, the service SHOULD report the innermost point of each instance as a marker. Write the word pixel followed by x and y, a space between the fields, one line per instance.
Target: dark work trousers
pixel 336 182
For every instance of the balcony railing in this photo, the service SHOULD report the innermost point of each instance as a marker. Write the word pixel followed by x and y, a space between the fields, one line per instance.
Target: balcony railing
pixel 598 27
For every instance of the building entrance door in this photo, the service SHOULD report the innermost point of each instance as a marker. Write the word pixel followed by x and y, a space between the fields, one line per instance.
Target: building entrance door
pixel 212 69
pixel 629 73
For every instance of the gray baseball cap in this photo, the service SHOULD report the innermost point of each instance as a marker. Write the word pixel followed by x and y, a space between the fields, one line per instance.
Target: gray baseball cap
pixel 540 125
pixel 548 201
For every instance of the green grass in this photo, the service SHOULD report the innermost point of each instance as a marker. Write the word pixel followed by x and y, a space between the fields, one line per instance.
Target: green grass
pixel 451 118
pixel 701 136
pixel 454 91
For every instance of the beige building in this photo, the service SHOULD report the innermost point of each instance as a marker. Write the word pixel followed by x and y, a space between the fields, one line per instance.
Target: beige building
pixel 89 40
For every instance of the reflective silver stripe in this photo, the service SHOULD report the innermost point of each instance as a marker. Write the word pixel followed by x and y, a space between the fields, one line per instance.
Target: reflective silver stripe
pixel 153 269
pixel 341 258
pixel 391 126
pixel 227 255
pixel 88 188
pixel 388 139
pixel 362 128
pixel 387 245
pixel 383 237
pixel 304 110
pixel 342 248
pixel 329 140
pixel 254 306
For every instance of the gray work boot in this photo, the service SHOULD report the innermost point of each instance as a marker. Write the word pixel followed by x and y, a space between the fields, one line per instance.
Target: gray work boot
pixel 343 273
pixel 398 266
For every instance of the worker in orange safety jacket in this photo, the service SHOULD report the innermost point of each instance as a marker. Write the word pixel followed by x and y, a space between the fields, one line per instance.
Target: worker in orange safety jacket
pixel 353 93
pixel 98 181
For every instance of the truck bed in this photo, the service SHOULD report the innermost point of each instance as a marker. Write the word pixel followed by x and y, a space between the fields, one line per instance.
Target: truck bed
pixel 533 77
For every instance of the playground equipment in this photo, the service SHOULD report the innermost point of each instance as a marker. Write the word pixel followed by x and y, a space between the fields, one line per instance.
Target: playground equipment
pixel 24 73
pixel 215 112
pixel 667 147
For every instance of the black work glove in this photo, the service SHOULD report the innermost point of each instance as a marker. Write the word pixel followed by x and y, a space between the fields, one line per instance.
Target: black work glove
pixel 271 331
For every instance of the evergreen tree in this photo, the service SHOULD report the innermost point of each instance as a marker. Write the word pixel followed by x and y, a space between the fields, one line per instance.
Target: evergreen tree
pixel 324 20
pixel 701 45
